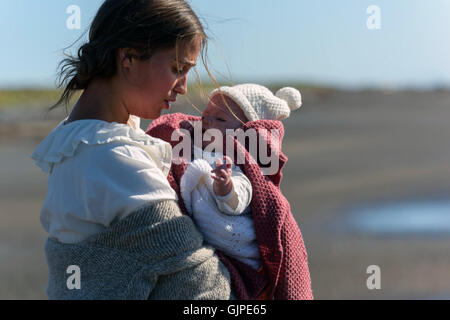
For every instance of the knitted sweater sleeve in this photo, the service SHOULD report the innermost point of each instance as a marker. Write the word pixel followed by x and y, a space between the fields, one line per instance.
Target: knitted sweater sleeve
pixel 154 253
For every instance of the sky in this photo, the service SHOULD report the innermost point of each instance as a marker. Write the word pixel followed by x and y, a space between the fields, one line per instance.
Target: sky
pixel 323 42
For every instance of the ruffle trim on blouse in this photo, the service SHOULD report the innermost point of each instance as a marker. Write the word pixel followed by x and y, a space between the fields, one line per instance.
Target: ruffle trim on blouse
pixel 63 141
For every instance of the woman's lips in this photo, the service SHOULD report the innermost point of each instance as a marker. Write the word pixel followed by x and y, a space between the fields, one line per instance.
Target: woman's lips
pixel 168 102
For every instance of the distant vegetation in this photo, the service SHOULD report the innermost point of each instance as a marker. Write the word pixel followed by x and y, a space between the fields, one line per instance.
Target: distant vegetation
pixel 28 97
pixel 11 98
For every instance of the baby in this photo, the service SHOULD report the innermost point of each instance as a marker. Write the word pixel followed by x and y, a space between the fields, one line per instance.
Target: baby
pixel 215 191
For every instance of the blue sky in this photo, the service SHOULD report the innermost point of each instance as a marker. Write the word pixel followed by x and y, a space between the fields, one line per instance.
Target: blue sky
pixel 322 41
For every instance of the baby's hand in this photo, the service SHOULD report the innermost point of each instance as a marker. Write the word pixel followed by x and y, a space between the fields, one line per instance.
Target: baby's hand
pixel 222 180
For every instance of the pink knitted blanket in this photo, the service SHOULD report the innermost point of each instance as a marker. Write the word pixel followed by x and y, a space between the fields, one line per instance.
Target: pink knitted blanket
pixel 283 253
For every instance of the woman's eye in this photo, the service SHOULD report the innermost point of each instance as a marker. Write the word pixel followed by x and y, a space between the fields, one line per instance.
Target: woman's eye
pixel 181 71
pixel 177 71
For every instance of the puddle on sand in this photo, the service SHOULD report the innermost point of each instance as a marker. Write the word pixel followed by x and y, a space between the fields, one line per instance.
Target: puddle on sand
pixel 402 218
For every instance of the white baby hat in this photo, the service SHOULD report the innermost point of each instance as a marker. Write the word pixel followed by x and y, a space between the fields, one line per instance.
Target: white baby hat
pixel 258 102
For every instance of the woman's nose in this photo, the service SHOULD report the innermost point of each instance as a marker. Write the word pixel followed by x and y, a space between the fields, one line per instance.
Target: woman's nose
pixel 181 86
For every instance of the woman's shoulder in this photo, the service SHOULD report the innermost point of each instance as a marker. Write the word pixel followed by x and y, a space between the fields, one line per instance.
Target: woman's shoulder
pixel 101 139
pixel 100 172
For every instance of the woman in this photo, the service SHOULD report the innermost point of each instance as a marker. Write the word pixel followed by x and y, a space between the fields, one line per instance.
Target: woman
pixel 109 210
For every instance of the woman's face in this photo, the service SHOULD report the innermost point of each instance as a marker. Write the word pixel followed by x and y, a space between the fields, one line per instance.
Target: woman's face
pixel 151 85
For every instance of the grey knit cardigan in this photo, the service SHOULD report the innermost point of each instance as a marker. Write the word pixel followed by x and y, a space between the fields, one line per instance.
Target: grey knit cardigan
pixel 154 253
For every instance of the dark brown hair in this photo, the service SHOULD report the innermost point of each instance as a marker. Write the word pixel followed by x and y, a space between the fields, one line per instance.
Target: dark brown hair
pixel 143 25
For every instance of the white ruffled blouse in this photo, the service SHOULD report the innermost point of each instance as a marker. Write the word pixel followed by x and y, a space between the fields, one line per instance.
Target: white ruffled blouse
pixel 99 172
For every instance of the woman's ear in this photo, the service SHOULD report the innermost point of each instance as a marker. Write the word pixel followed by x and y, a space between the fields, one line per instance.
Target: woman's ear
pixel 127 57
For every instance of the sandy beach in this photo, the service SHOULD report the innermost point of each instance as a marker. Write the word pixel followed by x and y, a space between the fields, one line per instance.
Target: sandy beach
pixel 346 150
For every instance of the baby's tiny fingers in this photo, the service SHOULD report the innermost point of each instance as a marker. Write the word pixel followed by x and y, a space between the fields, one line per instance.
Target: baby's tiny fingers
pixel 227 160
pixel 218 179
pixel 224 173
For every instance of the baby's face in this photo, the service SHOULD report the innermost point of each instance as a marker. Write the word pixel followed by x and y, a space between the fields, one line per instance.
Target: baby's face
pixel 217 116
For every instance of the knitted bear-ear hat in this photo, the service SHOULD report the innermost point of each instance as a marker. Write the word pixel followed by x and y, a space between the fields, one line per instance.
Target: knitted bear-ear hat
pixel 258 102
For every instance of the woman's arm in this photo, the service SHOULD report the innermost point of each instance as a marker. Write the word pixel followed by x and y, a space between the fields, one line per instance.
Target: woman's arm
pixel 147 249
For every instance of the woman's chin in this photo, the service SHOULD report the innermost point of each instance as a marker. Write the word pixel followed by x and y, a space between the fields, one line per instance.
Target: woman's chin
pixel 152 115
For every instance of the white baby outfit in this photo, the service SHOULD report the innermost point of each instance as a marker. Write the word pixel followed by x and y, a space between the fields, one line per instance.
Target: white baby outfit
pixel 99 172
pixel 225 222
